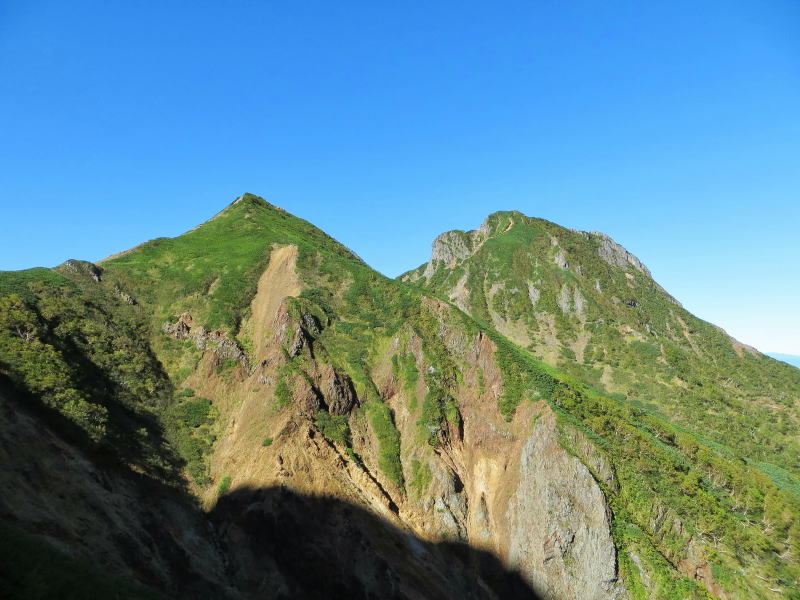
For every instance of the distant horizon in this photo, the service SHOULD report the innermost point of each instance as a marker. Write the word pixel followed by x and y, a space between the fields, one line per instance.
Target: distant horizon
pixel 671 128
pixel 791 359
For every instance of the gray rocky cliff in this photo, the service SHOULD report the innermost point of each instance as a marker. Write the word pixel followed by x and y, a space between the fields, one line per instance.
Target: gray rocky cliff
pixel 448 249
pixel 559 524
pixel 617 256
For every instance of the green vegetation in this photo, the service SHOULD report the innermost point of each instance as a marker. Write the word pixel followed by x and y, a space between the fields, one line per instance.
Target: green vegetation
pixel 81 360
pixel 333 427
pixel 224 486
pixel 405 368
pixel 744 519
pixel 267 442
pixel 193 413
pixel 780 477
pixel 685 397
pixel 442 377
pixel 189 426
pixel 420 478
pixel 226 365
pixel 639 341
pixel 388 441
pixel 23 283
pixel 212 271
pixel 282 395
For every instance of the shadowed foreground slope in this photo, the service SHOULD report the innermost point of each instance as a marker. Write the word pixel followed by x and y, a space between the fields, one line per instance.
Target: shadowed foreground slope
pixel 290 545
pixel 76 525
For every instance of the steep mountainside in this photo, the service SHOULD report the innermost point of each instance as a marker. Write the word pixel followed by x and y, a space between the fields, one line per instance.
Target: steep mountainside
pixel 580 302
pixel 249 411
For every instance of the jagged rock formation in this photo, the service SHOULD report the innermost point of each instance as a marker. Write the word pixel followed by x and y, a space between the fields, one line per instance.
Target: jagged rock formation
pixel 293 424
pixel 184 329
pixel 616 256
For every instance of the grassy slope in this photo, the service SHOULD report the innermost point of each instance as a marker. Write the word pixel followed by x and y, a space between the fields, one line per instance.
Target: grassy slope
pixel 213 270
pixel 740 521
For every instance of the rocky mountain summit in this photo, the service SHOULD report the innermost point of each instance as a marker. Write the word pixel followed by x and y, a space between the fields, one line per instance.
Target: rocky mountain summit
pixel 250 411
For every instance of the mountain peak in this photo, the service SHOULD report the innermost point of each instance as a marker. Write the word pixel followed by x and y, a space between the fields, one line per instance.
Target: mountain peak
pixel 252 199
pixel 247 200
pixel 451 248
pixel 501 221
pixel 241 207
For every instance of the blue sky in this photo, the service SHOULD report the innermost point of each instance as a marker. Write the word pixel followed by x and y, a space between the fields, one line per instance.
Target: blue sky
pixel 673 127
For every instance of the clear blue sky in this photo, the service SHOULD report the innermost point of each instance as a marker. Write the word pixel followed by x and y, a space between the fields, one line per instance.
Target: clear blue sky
pixel 672 126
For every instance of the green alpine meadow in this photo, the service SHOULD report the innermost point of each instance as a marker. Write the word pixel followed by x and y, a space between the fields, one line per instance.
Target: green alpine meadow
pixel 249 410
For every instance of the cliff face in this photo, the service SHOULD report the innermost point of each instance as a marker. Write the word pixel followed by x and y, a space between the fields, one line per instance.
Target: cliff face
pixel 249 411
pixel 570 553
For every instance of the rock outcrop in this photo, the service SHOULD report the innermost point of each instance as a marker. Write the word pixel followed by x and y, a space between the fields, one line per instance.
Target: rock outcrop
pixel 617 256
pixel 559 523
pixel 217 340
pixel 83 268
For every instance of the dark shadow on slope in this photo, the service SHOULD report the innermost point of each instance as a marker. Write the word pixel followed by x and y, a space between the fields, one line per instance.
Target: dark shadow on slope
pixel 101 388
pixel 286 545
pixel 85 514
pixel 120 448
pixel 110 521
pixel 31 569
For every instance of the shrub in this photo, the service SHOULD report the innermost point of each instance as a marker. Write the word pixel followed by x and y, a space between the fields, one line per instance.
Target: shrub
pixel 420 477
pixel 388 441
pixel 226 365
pixel 333 427
pixel 282 395
pixel 194 413
pixel 224 485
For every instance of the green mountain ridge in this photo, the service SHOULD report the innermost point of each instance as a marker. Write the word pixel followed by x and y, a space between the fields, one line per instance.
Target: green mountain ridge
pixel 582 303
pixel 528 414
